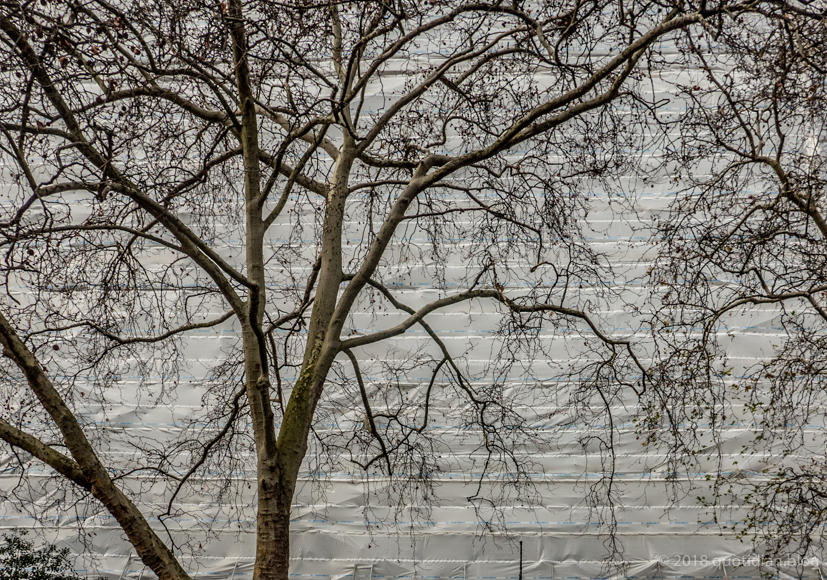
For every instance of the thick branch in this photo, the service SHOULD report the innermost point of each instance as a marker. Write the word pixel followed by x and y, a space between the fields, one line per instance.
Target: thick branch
pixel 419 315
pixel 150 548
pixel 143 339
pixel 194 247
pixel 54 459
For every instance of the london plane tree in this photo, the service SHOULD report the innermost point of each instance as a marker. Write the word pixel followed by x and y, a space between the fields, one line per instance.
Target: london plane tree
pixel 140 139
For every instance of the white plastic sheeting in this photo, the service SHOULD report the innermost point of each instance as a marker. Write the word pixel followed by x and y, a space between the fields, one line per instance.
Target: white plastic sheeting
pixel 340 531
pixel 334 536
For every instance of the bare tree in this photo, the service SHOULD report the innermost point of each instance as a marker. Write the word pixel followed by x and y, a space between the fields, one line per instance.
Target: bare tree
pixel 743 252
pixel 143 138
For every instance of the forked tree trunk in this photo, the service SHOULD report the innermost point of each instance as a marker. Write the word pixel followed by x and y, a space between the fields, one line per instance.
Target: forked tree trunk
pixel 278 472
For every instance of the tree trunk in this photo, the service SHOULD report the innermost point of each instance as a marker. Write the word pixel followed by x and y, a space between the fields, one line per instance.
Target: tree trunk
pixel 273 529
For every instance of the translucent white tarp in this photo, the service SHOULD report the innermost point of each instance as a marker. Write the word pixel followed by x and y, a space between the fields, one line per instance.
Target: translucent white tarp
pixel 342 529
